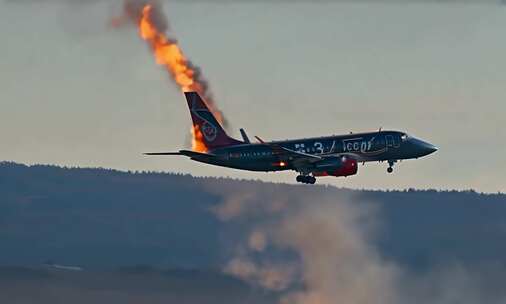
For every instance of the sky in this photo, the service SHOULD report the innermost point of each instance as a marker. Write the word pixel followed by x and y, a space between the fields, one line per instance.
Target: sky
pixel 76 92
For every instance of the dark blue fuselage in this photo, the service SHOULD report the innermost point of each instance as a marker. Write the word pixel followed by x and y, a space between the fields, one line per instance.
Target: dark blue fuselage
pixel 363 147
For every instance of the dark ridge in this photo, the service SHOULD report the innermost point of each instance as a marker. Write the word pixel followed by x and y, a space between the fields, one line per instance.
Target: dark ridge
pixel 104 219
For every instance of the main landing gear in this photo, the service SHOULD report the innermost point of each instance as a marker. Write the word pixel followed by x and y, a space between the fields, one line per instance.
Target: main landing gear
pixel 390 168
pixel 306 179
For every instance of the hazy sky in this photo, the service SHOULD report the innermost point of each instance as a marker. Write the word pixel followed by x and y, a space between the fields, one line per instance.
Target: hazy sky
pixel 75 92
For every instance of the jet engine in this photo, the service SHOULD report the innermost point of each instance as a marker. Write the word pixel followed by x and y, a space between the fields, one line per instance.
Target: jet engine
pixel 339 166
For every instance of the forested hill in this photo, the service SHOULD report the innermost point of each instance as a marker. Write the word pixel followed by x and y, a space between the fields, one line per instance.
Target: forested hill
pixel 100 218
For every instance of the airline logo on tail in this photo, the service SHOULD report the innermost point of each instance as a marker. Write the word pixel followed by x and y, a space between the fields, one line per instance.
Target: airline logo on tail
pixel 208 129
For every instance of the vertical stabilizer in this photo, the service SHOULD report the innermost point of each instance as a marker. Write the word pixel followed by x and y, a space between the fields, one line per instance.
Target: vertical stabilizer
pixel 211 133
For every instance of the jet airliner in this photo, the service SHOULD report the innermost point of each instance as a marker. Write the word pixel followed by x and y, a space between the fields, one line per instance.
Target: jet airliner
pixel 337 155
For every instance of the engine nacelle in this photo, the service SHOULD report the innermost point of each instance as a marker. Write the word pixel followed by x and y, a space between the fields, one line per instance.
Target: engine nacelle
pixel 343 166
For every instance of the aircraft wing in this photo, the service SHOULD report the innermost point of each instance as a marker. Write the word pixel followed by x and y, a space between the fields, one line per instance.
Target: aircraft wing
pixel 296 155
pixel 298 160
pixel 303 161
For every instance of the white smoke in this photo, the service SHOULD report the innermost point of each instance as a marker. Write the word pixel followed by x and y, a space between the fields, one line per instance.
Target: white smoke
pixel 321 251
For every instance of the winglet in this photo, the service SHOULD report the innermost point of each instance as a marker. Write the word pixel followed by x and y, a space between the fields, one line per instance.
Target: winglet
pixel 260 140
pixel 244 136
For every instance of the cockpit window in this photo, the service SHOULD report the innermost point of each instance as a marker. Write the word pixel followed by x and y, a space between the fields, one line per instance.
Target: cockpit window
pixel 404 137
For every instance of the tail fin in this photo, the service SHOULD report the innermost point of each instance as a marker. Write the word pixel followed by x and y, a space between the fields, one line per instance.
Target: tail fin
pixel 212 134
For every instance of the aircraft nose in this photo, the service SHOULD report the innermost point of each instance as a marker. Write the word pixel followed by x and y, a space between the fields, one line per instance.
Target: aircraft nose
pixel 424 148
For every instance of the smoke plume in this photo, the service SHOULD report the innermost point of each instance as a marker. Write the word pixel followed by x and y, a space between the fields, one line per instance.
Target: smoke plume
pixel 154 29
pixel 322 251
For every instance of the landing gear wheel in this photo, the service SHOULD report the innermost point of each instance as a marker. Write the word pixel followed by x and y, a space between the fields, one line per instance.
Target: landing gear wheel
pixel 306 179
pixel 391 166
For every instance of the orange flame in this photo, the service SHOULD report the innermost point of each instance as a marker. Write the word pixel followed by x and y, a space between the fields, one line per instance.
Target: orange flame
pixel 198 140
pixel 168 54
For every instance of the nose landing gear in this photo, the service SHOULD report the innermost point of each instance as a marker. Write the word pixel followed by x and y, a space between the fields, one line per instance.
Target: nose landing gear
pixel 306 179
pixel 390 168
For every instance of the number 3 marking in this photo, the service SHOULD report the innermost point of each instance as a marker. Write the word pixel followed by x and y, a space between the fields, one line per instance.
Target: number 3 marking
pixel 319 147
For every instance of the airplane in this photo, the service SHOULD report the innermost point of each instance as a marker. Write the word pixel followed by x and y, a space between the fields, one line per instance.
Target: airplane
pixel 337 155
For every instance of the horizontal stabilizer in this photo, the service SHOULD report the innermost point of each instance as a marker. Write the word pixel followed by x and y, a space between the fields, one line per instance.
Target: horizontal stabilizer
pixel 163 153
pixel 195 154
pixel 183 152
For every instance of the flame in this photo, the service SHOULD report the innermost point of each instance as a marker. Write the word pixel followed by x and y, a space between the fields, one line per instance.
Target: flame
pixel 198 140
pixel 169 55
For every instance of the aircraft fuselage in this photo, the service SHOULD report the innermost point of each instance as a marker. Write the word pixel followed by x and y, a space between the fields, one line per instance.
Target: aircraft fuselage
pixel 311 157
pixel 364 147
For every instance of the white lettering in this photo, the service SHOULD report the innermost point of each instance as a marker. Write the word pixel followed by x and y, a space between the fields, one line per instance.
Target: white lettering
pixel 357 145
pixel 319 147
